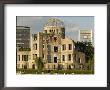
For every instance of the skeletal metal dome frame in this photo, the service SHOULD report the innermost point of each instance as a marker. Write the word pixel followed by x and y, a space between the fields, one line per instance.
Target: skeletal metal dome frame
pixel 54 22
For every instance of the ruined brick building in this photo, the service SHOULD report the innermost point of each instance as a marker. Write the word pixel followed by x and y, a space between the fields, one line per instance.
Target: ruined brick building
pixel 53 46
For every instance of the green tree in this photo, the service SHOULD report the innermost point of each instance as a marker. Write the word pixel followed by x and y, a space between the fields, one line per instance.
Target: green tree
pixel 90 65
pixel 87 48
pixel 39 64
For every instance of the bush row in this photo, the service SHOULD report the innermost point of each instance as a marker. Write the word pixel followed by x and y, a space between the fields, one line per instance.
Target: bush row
pixel 33 71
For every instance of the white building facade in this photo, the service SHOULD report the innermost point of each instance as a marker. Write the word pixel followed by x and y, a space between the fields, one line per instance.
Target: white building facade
pixel 85 35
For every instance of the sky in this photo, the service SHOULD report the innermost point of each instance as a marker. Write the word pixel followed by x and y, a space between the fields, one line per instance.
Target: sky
pixel 72 23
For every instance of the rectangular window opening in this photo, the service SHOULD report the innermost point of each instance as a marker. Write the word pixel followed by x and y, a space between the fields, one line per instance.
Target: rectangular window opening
pixel 69 57
pixel 63 57
pixel 64 47
pixel 55 49
pixel 70 46
pixel 55 59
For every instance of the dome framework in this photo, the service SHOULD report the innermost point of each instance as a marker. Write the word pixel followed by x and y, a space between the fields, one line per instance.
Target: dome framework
pixel 54 22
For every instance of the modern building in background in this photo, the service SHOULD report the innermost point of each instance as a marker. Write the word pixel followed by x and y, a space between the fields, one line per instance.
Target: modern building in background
pixel 85 35
pixel 56 50
pixel 22 37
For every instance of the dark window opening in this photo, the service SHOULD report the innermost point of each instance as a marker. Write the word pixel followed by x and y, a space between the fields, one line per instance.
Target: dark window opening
pixel 63 57
pixel 64 47
pixel 43 46
pixel 25 66
pixel 43 55
pixel 33 66
pixel 69 66
pixel 35 36
pixel 60 67
pixel 24 57
pixel 69 56
pixel 75 57
pixel 36 46
pixel 55 59
pixel 45 31
pixel 55 49
pixel 48 66
pixel 79 60
pixel 70 46
pixel 55 39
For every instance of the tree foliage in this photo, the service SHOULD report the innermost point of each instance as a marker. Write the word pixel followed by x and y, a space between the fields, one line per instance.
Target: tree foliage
pixel 39 64
pixel 87 48
pixel 91 64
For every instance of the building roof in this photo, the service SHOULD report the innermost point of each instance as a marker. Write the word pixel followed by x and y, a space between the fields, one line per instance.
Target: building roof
pixel 22 27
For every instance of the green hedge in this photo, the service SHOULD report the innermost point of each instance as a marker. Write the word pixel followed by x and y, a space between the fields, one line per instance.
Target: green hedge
pixel 27 71
pixel 72 72
pixel 33 71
